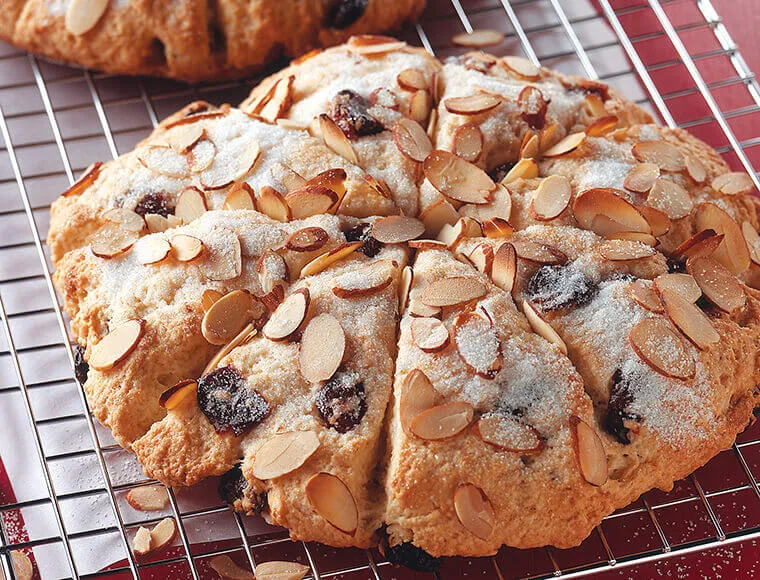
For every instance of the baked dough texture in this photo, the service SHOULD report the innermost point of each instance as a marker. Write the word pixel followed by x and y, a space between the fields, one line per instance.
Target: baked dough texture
pixel 448 306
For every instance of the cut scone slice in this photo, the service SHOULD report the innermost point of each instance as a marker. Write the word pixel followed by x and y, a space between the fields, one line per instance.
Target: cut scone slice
pixel 301 403
pixel 480 426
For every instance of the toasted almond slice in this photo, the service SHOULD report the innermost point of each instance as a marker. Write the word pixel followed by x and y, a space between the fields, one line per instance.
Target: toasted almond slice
pixel 182 137
pixel 543 328
pixel 283 453
pixel 432 125
pixel 497 228
pixel 594 105
pixel 227 569
pixel 472 104
pixel 647 239
pixel 373 45
pixel 718 285
pixel 417 394
pixel 151 250
pixel 530 146
pixel 310 200
pixel 603 211
pixel 602 126
pixel 83 15
pixel 552 197
pixel 186 248
pixel 147 498
pixel 286 177
pixel 662 349
pixel 272 270
pixel 229 168
pixel 452 291
pixel 701 244
pixel 533 107
pixel 289 316
pixel 695 169
pixel 112 240
pixel 670 198
pixel 191 205
pixel 281 100
pixel 592 459
pixel 88 177
pixel 327 259
pixel 499 207
pixel 334 179
pixel 427 245
pixel 141 541
pixel 397 229
pixel 418 309
pixel 240 196
pixel 442 421
pixel 223 259
pixel 156 223
pixel 363 281
pixel 227 317
pixel 162 534
pixel 209 297
pixel 115 346
pixel 682 284
pixel 523 169
pixel 175 397
pixel 307 239
pixel 244 337
pixel 521 67
pixel 280 571
pixel 413 79
pixel 566 145
pixel 752 239
pixel 474 511
pixel 624 250
pixel 332 500
pixel 420 107
pixel 538 253
pixel 468 142
pixel 483 256
pixel 734 183
pixel 662 154
pixel 733 252
pixel 336 140
pixel 200 155
pixel 644 295
pixel 458 179
pixel 505 267
pixel 464 228
pixel 412 140
pixel 322 348
pixel 271 203
pixel 163 160
pixel 479 38
pixel 549 136
pixel 477 343
pixel 429 334
pixel 509 434
pixel 405 286
pixel 642 177
pixel 126 218
pixel 689 319
pixel 657 220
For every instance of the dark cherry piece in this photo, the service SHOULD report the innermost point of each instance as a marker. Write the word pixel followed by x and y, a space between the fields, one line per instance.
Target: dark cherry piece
pixel 617 408
pixel 154 203
pixel 676 266
pixel 345 12
pixel 81 368
pixel 363 233
pixel 558 287
pixel 349 110
pixel 228 403
pixel 409 555
pixel 233 487
pixel 341 402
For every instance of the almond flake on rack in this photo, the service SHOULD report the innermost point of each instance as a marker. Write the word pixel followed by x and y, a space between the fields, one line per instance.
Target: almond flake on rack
pixel 752 239
pixel 662 154
pixel 412 140
pixel 126 218
pixel 624 250
pixel 323 346
pixel 592 458
pixel 566 145
pixel 405 286
pixel 504 269
pixel 162 534
pixel 223 259
pixel 602 126
pixel 332 500
pixel 324 261
pixel 695 169
pixel 88 177
pixel 477 343
pixel 521 67
pixel 474 511
pixel 141 541
pixel 112 240
pixel 543 328
pixel 732 252
pixel 682 284
pixel 373 45
pixel 272 204
pixel 283 453
pixel 499 207
pixel 83 15
pixel 186 248
pixel 429 334
pixel 176 396
pixel 413 79
pixel 442 421
pixel 642 292
pixel 164 160
pixel 523 169
pixel 227 569
pixel 151 250
pixel 468 142
pixel 551 198
pixel 472 104
pixel 497 228
pixel 655 342
pixel 228 316
pixel 457 179
pixel 22 565
pixel 191 205
pixel 281 100
pixel 310 200
pixel 452 291
pixel 718 284
pixel 239 197
pixel 509 434
pixel 604 212
pixel 670 198
pixel 288 317
pixel 276 570
pixel 115 346
pixel 641 177
pixel 336 140
pixel 479 38
pixel 734 183
pixel 147 498
pixel 689 319
pixel 200 155
pixel 482 256
pixel 538 252
pixel 226 169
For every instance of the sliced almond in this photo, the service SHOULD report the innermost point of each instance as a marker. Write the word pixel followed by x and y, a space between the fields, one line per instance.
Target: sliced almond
pixel 307 239
pixel 482 256
pixel 509 434
pixel 23 568
pixel 734 183
pixel 186 248
pixel 533 107
pixel 141 541
pixel 670 198
pixel 644 295
pixel 310 200
pixel 530 146
pixel 689 319
pixel 429 334
pixel 88 177
pixel 602 126
pixel 373 45
pixel 457 179
pixel 499 207
pixel 662 349
pixel 271 203
pixel 566 145
pixel 223 259
pixel 695 169
pixel 428 245
pixel 227 317
pixel 182 137
pixel 363 282
pixel 641 177
pixel 191 205
pixel 412 140
pixel 336 140
pixel 452 291
pixel 465 227
pixel 209 297
pixel 701 244
pixel 497 228
pixel 420 107
pixel 604 212
pixel 549 136
pixel 521 67
pixel 112 240
pixel 115 346
pixel 272 270
pixel 239 197
pixel 323 345
pixel 523 169
pixel 543 328
pixel 175 397
pixel 657 220
pixel 624 250
pixel 327 259
pixel 280 571
pixel 538 253
pixel 163 160
pixel 334 179
pixel 417 394
pixel 504 269
pixel 285 176
pixel 127 219
pixel 594 105
pixel 228 168
pixel 157 223
pixel 245 336
pixel 288 317
pixel 413 79
pixel 227 569
pixel 662 154
pixel 405 286
pixel 752 239
pixel 472 104
pixel 733 252
pixel 474 511
pixel 283 453
pixel 280 101
pixel 200 155
pixel 436 215
pixel 151 250
pixel 592 459
pixel 162 534
pixel 682 284
pixel 418 309
pixel 552 197
pixel 717 283
pixel 397 229
pixel 147 498
pixel 479 38
pixel 468 142
pixel 83 15
pixel 647 239
pixel 442 421
pixel 477 343
pixel 332 500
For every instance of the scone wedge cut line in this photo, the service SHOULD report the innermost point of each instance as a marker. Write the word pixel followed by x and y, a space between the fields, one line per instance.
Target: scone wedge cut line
pixel 438 306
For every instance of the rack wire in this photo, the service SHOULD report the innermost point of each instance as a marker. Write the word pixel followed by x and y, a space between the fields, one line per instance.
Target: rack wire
pixel 54 120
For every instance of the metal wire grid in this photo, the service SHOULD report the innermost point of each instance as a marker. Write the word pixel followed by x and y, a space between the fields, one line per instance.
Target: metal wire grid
pixel 460 15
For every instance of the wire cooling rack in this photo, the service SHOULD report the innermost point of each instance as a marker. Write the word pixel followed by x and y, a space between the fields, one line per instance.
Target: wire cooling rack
pixel 63 479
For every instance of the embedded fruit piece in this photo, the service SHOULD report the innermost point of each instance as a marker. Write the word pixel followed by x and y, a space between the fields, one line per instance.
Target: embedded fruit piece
pixel 275 570
pixel 543 328
pixel 322 347
pixel 112 240
pixel 341 401
pixel 457 179
pixel 641 177
pixel 412 140
pixel 474 511
pixel 272 204
pixel 283 453
pixel 336 140
pixel 682 284
pixel 733 252
pixel 288 317
pixel 350 113
pixel 604 212
pixel 477 343
pixel 81 368
pixel 310 200
pixel 472 104
pixel 689 319
pixel 229 315
pixel 186 248
pixel 173 397
pixel 417 394
pixel 538 253
pixel 504 268
pixel 478 38
pixel 332 500
pixel 228 403
pixel 670 198
pixel 566 145
pixel 141 541
pixel 499 208
pixel 88 177
pixel 147 498
pixel 559 287
pixel 116 345
pixel 468 142
pixel 233 168
pixel 443 421
pixel 662 154
pixel 151 250
pixel 521 67
pixel 552 197
pixel 509 434
pixel 327 259
pixel 734 183
pixel 414 558
pixel 719 286
pixel 642 293
pixel 154 203
pixel 162 534
pixel 429 334
pixel 625 250
pixel 592 459
pixel 452 291
pixel 533 107
pixel 362 233
pixel 405 286
pixel 662 349
pixel 227 569
pixel 307 239
pixel 397 229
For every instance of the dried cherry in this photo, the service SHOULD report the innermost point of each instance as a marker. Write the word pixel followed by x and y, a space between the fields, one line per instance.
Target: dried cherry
pixel 341 401
pixel 228 403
